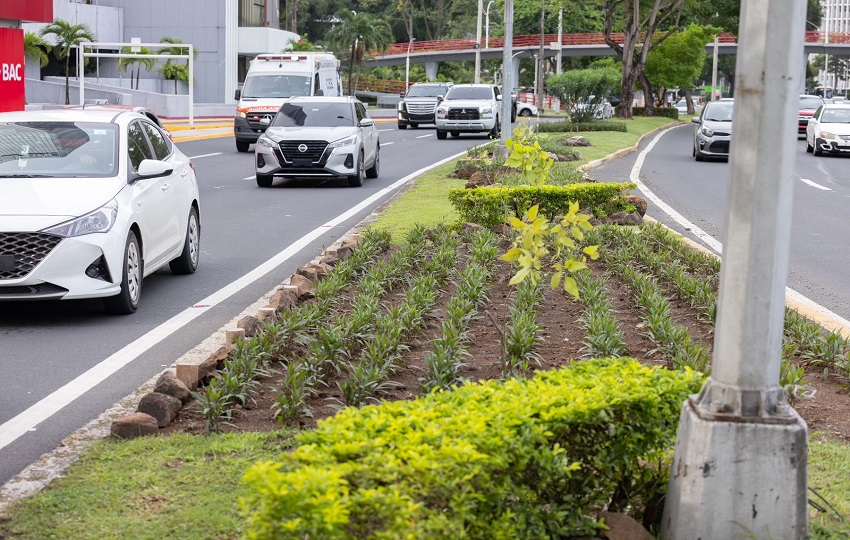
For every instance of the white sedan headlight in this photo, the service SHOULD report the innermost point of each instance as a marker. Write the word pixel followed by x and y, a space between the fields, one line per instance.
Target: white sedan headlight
pixel 348 141
pixel 707 131
pixel 826 135
pixel 99 221
pixel 265 141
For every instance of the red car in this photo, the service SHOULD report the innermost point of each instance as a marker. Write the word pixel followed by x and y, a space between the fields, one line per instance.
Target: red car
pixel 808 106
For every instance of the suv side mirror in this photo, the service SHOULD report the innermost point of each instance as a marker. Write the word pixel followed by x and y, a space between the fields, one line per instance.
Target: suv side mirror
pixel 402 95
pixel 265 120
pixel 499 98
pixel 440 98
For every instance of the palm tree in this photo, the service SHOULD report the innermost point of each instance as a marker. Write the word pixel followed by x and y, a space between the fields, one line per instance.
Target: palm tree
pixel 37 47
pixel 148 63
pixel 177 72
pixel 359 33
pixel 67 36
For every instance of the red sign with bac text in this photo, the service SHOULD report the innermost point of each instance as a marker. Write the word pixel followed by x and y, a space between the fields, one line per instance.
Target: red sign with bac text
pixel 11 69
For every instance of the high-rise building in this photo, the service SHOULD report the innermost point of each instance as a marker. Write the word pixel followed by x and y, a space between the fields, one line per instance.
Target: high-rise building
pixel 835 24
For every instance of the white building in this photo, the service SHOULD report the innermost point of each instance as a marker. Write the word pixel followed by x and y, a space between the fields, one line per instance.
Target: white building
pixel 836 20
pixel 226 34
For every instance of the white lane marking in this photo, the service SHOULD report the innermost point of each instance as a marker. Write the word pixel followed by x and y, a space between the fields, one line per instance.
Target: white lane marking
pixel 27 421
pixel 205 155
pixel 252 177
pixel 383 130
pixel 814 184
pixel 387 143
pixel 634 176
pixel 423 136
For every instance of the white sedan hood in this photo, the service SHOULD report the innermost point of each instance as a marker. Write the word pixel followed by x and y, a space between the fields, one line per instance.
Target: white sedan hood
pixel 842 128
pixel 329 134
pixel 36 203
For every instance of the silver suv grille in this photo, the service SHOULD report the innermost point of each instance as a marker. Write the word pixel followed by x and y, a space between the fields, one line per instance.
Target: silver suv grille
pixel 28 249
pixel 421 108
pixel 311 150
pixel 469 113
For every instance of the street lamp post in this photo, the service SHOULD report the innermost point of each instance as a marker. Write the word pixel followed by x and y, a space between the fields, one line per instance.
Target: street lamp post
pixel 478 43
pixel 407 66
pixel 487 25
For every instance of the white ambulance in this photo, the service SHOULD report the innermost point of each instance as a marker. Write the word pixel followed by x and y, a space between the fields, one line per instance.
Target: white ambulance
pixel 274 77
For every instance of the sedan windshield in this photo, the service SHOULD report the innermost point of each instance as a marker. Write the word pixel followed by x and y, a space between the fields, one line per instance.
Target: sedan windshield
pixel 58 149
pixel 426 91
pixel 314 114
pixel 718 112
pixel 469 92
pixel 835 116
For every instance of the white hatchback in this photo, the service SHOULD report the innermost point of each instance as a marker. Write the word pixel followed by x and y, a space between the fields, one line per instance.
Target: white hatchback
pixel 91 202
pixel 829 129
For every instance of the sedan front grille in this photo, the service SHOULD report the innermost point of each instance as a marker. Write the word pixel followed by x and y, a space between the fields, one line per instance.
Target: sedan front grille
pixel 27 249
pixel 303 150
pixel 463 114
pixel 27 292
pixel 719 147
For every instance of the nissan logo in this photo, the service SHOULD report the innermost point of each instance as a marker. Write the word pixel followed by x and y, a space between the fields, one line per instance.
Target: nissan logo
pixel 302 147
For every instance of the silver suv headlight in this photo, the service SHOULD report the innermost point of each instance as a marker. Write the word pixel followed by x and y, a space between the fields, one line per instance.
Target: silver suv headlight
pixel 265 141
pixel 441 112
pixel 99 221
pixel 401 105
pixel 348 141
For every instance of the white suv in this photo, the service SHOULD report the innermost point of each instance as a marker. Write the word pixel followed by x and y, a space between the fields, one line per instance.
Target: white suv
pixel 470 108
pixel 319 137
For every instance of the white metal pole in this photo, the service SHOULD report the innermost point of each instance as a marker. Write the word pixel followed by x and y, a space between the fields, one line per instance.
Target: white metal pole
pixel 487 26
pixel 739 467
pixel 191 85
pixel 714 72
pixel 407 66
pixel 507 70
pixel 560 41
pixel 478 43
pixel 80 57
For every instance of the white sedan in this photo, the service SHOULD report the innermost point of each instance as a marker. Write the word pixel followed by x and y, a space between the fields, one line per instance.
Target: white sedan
pixel 525 109
pixel 829 129
pixel 91 202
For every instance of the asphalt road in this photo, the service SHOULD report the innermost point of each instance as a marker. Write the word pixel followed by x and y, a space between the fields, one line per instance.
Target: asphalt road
pixel 47 347
pixel 818 258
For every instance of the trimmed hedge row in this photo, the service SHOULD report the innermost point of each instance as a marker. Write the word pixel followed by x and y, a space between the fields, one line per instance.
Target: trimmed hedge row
pixel 525 459
pixel 569 127
pixel 489 205
pixel 669 112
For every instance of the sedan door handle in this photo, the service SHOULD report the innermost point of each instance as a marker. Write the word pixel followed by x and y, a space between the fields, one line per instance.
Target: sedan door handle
pixel 184 173
pixel 164 187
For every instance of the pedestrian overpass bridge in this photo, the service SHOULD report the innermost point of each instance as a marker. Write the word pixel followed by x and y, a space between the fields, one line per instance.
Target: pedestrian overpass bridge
pixel 431 53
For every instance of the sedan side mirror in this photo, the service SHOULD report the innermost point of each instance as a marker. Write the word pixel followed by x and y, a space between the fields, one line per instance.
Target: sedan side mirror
pixel 367 122
pixel 154 168
pixel 696 120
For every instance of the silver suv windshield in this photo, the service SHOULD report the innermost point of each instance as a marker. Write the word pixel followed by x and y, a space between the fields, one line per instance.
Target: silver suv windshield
pixel 314 114
pixel 275 86
pixel 469 92
pixel 58 149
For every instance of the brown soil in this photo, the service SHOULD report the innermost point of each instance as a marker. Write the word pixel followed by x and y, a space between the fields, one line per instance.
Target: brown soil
pixel 827 413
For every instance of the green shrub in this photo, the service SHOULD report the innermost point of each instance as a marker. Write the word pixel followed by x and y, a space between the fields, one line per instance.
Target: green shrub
pixel 491 205
pixel 521 459
pixel 569 127
pixel 668 112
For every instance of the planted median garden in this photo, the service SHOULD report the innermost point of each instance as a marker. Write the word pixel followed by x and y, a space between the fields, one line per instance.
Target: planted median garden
pixel 460 375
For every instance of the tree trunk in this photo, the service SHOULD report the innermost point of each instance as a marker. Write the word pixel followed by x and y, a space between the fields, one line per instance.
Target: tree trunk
pixel 649 106
pixel 627 94
pixel 67 84
pixel 689 102
pixel 138 69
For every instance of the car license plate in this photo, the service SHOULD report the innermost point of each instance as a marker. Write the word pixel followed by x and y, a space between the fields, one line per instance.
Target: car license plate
pixel 7 263
pixel 302 162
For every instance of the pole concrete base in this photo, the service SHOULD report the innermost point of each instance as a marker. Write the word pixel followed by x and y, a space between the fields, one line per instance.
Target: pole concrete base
pixel 736 479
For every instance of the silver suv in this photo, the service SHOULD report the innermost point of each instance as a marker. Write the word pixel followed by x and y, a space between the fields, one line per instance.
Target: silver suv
pixel 470 108
pixel 319 137
pixel 418 105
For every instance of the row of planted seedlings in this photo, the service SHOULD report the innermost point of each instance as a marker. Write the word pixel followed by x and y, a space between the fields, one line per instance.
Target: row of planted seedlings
pixel 444 361
pixel 693 277
pixel 256 357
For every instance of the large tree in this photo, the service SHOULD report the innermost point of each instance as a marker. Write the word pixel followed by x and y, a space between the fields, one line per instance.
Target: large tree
pixel 35 47
pixel 359 33
pixel 645 24
pixel 67 36
pixel 678 62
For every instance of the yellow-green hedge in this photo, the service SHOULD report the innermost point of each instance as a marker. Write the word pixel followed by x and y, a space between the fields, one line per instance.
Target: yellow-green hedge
pixel 489 205
pixel 519 459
